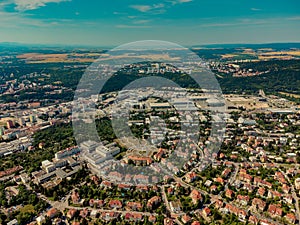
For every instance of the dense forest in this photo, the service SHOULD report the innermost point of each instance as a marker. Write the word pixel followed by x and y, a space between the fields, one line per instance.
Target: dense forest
pixel 284 76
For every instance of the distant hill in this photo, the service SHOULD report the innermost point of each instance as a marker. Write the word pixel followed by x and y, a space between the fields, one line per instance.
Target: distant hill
pixel 284 76
pixel 21 47
pixel 275 46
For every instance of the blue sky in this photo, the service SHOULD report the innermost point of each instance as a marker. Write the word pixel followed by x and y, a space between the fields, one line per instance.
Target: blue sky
pixel 114 22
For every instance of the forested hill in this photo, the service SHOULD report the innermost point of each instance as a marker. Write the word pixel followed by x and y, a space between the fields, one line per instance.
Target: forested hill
pixel 284 76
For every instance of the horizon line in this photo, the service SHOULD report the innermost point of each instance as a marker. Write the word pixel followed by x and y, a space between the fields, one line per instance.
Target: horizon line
pixel 56 45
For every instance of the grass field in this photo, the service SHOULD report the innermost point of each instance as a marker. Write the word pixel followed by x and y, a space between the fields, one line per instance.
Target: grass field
pixel 27 209
pixel 290 95
pixel 57 58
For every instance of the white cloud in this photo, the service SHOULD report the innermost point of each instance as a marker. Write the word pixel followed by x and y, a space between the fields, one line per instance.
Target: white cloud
pixel 141 21
pixel 22 19
pixel 255 9
pixel 131 26
pixel 119 13
pixel 155 8
pixel 24 5
pixel 183 1
pixel 294 18
pixel 175 2
pixel 219 24
pixel 240 22
pixel 132 17
pixel 16 20
pixel 141 8
pixel 158 8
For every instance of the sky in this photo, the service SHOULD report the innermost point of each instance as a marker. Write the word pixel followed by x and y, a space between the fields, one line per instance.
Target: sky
pixel 115 22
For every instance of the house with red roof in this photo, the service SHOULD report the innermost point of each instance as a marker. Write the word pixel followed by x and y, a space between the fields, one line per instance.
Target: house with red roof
pixel 274 210
pixel 288 199
pixel 219 204
pixel 142 188
pixel 243 171
pixel 229 193
pixel 167 179
pixel 133 217
pixel 124 187
pixel 243 199
pixel 219 180
pixel 153 201
pixel 84 213
pixel 152 219
pixel 185 218
pixel 286 188
pixel 261 192
pixel 280 177
pixel 191 177
pixel 241 214
pixel 170 191
pixel 253 220
pixel 213 188
pixel 158 156
pixel 249 187
pixel 136 206
pixel 96 203
pixel 291 218
pixel 115 204
pixel 196 196
pixel 95 179
pixel 71 213
pixel 107 216
pixel 259 204
pixel 75 197
pixel 52 213
pixel 168 221
pixel 140 178
pixel 106 184
pixel 140 161
pixel 226 172
pixel 196 223
pixel 206 212
pixel 259 182
pixel 274 194
pixel 246 177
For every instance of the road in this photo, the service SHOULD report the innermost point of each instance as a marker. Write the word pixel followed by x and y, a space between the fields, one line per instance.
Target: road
pixel 62 205
pixel 113 210
pixel 165 199
pixel 294 196
pixel 232 178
